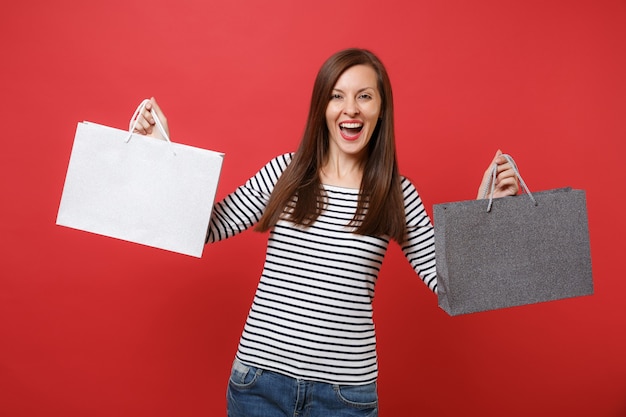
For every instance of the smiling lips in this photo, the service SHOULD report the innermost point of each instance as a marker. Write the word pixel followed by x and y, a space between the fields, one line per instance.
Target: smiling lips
pixel 350 130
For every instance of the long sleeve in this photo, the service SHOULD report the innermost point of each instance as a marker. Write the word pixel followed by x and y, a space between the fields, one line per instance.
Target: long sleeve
pixel 244 207
pixel 419 248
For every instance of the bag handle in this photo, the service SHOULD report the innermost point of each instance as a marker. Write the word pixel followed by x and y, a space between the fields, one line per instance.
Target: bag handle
pixel 492 183
pixel 133 121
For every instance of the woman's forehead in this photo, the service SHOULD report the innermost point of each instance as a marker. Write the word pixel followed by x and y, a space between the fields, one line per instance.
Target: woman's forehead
pixel 359 77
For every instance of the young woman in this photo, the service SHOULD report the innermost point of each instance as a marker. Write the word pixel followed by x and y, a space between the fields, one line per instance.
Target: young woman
pixel 308 347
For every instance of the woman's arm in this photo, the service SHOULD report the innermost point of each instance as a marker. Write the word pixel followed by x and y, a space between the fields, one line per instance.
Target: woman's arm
pixel 419 248
pixel 244 207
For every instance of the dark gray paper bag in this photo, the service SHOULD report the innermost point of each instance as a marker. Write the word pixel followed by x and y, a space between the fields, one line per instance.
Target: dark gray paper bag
pixel 516 253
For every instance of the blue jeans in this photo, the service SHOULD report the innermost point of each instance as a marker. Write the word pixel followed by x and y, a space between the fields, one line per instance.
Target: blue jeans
pixel 254 392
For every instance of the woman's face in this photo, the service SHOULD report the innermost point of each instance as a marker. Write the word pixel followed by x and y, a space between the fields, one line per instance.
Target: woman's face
pixel 353 110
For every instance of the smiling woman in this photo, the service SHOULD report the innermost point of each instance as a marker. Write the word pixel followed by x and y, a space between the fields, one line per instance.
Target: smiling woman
pixel 351 117
pixel 331 209
pixel 366 163
pixel 91 326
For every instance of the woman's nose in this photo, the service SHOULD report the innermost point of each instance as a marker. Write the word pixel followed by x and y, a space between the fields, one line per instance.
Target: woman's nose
pixel 352 108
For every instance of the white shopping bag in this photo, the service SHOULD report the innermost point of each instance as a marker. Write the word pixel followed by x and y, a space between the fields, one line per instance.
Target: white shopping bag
pixel 139 189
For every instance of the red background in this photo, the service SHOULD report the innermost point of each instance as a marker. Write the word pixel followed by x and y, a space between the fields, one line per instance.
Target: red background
pixel 92 326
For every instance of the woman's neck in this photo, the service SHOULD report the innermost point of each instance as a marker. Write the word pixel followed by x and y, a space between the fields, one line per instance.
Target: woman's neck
pixel 342 172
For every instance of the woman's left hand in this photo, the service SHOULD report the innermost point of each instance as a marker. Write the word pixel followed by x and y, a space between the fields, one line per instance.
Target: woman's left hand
pixel 506 180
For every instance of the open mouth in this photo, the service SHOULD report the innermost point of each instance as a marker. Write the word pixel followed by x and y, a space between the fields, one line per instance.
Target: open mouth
pixel 350 130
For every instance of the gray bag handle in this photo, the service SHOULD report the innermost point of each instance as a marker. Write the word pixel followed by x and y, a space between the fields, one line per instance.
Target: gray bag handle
pixel 492 184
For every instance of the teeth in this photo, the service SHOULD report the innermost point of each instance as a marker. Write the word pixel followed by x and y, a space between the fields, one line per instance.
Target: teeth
pixel 351 125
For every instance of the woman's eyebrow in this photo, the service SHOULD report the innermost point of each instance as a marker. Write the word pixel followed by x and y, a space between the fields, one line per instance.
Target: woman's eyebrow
pixel 358 91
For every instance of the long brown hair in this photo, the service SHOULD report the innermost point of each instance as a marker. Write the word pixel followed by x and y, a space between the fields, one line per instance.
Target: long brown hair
pixel 380 208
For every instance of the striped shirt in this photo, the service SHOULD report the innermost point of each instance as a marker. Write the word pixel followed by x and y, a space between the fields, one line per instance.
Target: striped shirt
pixel 311 317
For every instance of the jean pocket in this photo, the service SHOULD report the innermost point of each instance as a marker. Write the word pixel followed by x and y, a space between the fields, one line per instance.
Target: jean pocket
pixel 242 375
pixel 359 396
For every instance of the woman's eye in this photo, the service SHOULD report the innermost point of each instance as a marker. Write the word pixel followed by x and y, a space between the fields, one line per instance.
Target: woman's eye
pixel 365 96
pixel 335 96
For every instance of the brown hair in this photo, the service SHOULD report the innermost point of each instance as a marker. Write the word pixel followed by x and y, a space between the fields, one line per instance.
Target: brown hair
pixel 380 209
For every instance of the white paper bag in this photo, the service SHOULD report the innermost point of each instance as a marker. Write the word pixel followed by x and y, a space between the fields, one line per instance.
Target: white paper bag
pixel 140 189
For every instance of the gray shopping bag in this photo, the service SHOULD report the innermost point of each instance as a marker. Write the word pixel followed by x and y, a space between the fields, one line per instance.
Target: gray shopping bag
pixel 512 251
pixel 139 189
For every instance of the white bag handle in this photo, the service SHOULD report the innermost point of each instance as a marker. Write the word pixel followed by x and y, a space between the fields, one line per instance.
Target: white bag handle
pixel 493 181
pixel 133 121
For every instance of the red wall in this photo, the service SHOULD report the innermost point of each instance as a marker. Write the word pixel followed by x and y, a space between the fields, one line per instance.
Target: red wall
pixel 92 326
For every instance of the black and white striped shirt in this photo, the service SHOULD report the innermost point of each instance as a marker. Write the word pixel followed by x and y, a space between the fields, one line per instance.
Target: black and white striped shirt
pixel 311 317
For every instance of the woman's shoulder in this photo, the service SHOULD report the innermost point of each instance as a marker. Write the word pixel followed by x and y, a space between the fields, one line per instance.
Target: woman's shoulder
pixel 281 160
pixel 273 169
pixel 278 163
pixel 407 185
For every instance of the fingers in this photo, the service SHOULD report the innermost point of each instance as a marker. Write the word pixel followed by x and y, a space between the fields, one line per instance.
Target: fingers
pixel 503 168
pixel 145 123
pixel 153 105
pixel 506 187
pixel 506 179
pixel 504 172
pixel 498 158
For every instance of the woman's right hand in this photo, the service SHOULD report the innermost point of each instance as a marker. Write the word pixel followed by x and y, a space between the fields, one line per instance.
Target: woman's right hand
pixel 146 125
